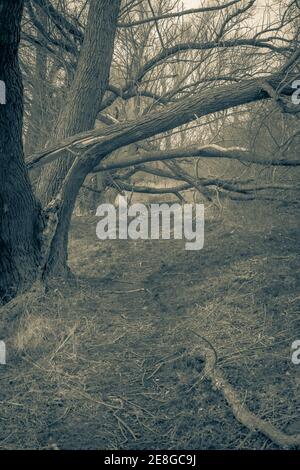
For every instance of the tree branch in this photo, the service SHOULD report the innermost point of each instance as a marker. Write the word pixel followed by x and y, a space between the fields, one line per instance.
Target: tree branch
pixel 96 144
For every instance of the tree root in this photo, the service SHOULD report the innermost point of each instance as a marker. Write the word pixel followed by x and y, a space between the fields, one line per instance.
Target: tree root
pixel 239 409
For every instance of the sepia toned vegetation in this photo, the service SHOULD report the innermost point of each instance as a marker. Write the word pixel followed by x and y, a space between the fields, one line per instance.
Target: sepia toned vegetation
pixel 140 344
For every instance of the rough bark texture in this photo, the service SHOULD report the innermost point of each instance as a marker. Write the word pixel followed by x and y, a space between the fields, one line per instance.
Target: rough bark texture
pixel 56 264
pixel 19 213
pixel 39 119
pixel 36 135
pixel 79 114
pixel 87 90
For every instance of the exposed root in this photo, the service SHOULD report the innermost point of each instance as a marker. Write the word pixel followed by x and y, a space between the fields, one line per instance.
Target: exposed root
pixel 239 409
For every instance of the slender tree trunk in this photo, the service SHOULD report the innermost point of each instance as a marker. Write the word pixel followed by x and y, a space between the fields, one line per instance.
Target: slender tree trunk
pixel 56 265
pixel 38 121
pixel 19 212
pixel 79 115
pixel 36 135
pixel 87 90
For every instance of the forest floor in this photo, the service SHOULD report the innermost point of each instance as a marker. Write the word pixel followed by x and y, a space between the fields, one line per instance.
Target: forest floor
pixel 106 363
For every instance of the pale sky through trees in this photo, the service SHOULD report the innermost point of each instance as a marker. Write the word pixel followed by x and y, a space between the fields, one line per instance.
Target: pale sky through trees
pixel 198 3
pixel 191 3
pixel 260 4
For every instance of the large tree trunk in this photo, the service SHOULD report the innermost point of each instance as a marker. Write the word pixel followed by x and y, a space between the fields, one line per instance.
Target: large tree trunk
pixel 19 213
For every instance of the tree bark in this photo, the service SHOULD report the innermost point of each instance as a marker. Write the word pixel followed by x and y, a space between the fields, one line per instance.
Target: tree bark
pixel 87 90
pixel 79 114
pixel 19 212
pixel 37 123
pixel 39 117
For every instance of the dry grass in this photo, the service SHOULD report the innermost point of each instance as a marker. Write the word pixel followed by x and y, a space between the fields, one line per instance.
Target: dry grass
pixel 108 361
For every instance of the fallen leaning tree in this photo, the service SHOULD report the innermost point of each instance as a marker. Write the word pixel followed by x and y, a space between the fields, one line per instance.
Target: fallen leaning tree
pixel 93 146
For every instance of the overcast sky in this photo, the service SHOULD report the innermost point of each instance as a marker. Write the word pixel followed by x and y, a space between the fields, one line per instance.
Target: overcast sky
pixel 260 4
pixel 191 3
pixel 197 3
